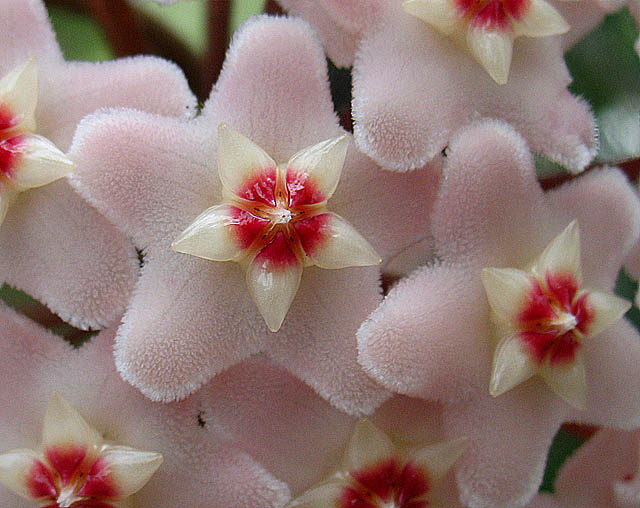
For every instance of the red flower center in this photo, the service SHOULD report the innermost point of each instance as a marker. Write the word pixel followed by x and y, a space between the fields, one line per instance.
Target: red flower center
pixel 492 14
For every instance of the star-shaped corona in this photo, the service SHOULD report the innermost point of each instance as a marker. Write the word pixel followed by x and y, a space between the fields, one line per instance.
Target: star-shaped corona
pixel 542 316
pixel 487 28
pixel 377 474
pixel 27 160
pixel 75 467
pixel 274 220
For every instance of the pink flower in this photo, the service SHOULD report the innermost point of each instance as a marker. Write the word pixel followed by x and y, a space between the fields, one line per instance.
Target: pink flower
pixel 603 473
pixel 52 244
pixel 153 176
pixel 413 87
pixel 91 445
pixel 433 336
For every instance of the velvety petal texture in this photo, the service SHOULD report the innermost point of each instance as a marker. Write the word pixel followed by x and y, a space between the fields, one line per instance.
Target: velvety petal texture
pixel 199 463
pixel 432 337
pixel 52 244
pixel 192 318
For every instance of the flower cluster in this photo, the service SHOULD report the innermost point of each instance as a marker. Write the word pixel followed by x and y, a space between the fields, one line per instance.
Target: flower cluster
pixel 234 255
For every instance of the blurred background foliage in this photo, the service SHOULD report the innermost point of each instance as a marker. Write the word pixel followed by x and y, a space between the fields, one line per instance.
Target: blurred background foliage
pixel 195 33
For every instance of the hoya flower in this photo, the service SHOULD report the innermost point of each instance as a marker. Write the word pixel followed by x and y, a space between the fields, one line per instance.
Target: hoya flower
pixel 154 177
pixel 603 473
pixel 329 459
pixel 435 337
pixel 74 435
pixel 413 88
pixel 52 244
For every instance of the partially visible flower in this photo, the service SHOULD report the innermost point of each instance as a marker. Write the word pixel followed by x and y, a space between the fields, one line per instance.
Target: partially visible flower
pixel 432 337
pixel 153 176
pixel 413 88
pixel 53 245
pixel 96 463
pixel 488 28
pixel 603 473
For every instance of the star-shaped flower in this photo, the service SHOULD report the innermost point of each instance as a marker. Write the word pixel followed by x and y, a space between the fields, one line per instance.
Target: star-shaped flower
pixel 192 318
pixel 488 27
pixel 96 463
pixel 53 245
pixel 433 337
pixel 327 458
pixel 274 220
pixel 542 317
pixel 413 88
pixel 603 473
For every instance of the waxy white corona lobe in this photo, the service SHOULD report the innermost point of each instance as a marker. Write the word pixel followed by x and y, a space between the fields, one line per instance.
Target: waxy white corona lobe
pixel 75 468
pixel 274 220
pixel 543 315
pixel 375 474
pixel 487 28
pixel 27 160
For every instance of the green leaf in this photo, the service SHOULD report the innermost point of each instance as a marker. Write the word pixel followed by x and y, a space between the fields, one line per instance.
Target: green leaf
pixel 606 72
pixel 244 9
pixel 79 36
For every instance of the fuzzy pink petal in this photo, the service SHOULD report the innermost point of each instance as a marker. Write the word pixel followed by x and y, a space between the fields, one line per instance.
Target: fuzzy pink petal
pixel 188 320
pixel 25 31
pixel 489 209
pixel 413 89
pixel 582 17
pixel 294 433
pixel 195 468
pixel 317 342
pixel 544 500
pixel 613 384
pixel 61 251
pixel 429 338
pixel 392 211
pixel 150 175
pixel 509 438
pixel 587 478
pixel 608 213
pixel 340 43
pixel 143 82
pixel 274 88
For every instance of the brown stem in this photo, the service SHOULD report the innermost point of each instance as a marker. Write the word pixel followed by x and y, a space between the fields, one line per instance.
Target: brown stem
pixel 120 24
pixel 219 15
pixel 272 7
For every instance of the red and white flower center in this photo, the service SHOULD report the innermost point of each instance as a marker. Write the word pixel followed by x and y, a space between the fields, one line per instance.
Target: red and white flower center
pixel 390 484
pixel 555 318
pixel 281 222
pixel 492 14
pixel 11 142
pixel 66 479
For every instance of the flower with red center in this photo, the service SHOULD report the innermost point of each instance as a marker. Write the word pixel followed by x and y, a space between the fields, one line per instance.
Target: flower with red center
pixel 488 27
pixel 375 474
pixel 27 160
pixel 274 220
pixel 542 317
pixel 75 468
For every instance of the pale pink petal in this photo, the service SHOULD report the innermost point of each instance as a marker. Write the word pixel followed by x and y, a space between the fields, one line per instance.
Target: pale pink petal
pixel 283 424
pixel 25 31
pixel 588 477
pixel 392 211
pixel 582 17
pixel 317 342
pixel 509 438
pixel 544 500
pixel 340 42
pixel 608 212
pixel 430 336
pixel 145 83
pixel 613 384
pixel 196 464
pixel 413 89
pixel 498 222
pixel 275 61
pixel 154 180
pixel 61 251
pixel 188 320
